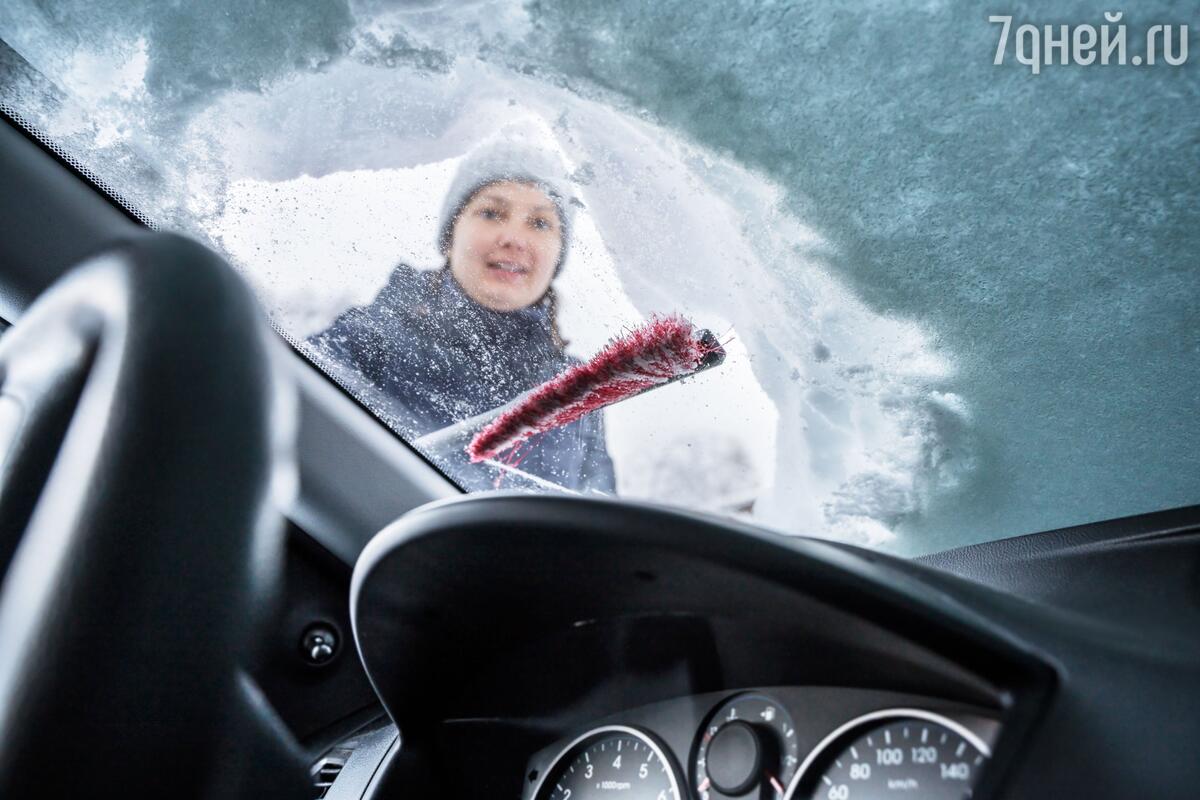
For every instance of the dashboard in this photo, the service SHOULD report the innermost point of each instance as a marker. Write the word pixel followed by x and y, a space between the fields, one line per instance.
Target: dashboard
pixel 553 648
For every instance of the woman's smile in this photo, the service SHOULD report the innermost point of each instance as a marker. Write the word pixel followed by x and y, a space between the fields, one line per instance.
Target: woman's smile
pixel 509 267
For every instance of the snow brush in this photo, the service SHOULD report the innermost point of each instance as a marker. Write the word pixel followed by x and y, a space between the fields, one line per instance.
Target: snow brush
pixel 663 350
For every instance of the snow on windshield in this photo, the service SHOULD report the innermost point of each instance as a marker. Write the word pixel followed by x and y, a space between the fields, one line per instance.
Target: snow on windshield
pixel 959 300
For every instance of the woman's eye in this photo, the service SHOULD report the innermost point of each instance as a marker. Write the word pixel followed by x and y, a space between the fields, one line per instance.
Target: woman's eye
pixel 541 224
pixel 489 213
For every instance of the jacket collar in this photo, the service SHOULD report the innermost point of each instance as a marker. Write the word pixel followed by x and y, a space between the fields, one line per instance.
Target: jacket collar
pixel 531 322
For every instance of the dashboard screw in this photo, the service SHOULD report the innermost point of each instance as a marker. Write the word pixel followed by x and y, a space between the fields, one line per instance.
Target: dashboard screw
pixel 319 644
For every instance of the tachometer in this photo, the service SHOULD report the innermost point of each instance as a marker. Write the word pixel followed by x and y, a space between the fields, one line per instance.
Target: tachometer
pixel 887 754
pixel 613 761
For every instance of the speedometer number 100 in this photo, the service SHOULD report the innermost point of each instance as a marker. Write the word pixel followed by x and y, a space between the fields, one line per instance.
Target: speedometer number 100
pixel 914 756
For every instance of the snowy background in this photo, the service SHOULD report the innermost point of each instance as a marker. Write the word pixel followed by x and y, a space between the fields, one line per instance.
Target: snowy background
pixel 962 298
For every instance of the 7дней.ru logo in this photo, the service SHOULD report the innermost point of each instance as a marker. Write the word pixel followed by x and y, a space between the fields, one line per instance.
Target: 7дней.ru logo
pixel 1037 46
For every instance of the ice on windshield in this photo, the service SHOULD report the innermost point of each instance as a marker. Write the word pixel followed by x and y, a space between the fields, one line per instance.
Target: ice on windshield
pixel 959 300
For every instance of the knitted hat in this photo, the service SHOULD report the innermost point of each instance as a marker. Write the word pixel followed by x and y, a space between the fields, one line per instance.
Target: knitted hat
pixel 509 160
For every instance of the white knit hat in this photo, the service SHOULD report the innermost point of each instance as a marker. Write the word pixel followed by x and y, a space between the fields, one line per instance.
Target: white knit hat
pixel 506 159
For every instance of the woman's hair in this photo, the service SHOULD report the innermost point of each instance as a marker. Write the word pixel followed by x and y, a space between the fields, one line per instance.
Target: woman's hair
pixel 551 301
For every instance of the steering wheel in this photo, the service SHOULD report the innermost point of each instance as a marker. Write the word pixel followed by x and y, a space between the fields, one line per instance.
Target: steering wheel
pixel 141 441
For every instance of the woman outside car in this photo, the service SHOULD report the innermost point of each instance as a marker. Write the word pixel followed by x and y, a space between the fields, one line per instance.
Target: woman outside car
pixel 437 347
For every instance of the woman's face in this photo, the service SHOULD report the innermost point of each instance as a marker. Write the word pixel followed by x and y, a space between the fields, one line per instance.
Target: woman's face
pixel 505 244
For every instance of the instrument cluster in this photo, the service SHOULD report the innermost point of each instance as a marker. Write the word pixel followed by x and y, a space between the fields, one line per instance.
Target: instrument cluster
pixel 772 744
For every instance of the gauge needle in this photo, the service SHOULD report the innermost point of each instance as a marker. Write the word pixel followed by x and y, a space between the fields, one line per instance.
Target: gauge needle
pixel 704 784
pixel 776 784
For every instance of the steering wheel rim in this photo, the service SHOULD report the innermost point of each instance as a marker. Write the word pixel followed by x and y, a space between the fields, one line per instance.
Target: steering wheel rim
pixel 129 603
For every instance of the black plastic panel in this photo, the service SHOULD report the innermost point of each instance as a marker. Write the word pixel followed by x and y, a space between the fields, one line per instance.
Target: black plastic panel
pixel 492 626
pixel 310 698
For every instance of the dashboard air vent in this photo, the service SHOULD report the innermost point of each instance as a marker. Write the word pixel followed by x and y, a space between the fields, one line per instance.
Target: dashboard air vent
pixel 325 771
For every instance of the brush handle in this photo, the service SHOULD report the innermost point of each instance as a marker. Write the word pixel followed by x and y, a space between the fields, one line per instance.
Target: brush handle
pixel 453 439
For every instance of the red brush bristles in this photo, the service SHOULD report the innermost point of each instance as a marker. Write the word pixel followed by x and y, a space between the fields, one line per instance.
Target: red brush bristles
pixel 662 350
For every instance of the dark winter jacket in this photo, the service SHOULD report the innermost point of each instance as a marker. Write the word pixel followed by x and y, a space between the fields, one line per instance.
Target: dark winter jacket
pixel 424 355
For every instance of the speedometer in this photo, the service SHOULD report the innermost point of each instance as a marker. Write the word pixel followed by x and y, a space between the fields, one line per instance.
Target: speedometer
pixel 613 761
pixel 896 753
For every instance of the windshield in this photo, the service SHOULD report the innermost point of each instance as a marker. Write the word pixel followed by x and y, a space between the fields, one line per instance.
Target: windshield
pixel 955 284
